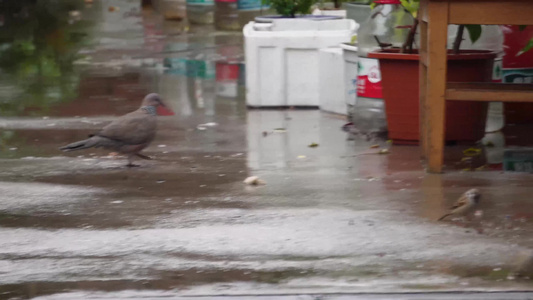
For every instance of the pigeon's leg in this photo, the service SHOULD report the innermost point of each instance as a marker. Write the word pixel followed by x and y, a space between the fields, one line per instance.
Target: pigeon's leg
pixel 130 162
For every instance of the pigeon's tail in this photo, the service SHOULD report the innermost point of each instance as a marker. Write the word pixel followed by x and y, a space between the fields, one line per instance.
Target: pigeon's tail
pixel 442 218
pixel 94 141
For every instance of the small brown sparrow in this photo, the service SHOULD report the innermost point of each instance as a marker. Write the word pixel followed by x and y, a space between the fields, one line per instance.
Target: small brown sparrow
pixel 464 205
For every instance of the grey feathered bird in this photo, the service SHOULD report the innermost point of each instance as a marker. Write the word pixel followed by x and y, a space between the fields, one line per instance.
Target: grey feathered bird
pixel 464 205
pixel 129 134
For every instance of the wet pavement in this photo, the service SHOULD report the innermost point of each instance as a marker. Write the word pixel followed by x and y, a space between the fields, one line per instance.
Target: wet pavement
pixel 331 219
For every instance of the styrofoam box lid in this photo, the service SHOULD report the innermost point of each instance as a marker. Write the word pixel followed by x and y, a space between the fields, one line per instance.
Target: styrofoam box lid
pixel 308 25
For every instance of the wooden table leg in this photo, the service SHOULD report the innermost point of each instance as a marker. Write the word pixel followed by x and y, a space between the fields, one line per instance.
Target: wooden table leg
pixel 423 79
pixel 437 37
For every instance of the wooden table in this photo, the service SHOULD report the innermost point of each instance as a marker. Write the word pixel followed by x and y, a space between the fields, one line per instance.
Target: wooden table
pixel 435 15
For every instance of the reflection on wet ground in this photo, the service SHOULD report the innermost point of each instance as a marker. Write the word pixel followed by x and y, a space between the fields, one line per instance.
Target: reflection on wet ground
pixel 332 218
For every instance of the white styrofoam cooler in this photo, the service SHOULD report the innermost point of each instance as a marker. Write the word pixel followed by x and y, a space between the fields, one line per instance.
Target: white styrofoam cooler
pixel 282 67
pixel 331 81
pixel 350 73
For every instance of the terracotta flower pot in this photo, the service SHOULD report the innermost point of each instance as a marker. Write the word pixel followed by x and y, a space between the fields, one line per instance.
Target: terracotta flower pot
pixel 465 121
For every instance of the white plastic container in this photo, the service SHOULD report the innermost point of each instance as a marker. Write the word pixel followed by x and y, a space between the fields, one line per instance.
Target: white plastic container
pixel 350 58
pixel 330 12
pixel 331 81
pixel 282 59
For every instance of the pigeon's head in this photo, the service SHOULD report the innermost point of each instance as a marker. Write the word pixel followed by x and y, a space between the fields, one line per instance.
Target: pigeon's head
pixel 474 195
pixel 155 100
pixel 152 99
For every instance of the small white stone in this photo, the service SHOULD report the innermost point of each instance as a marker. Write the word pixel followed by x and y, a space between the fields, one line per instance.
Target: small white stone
pixel 254 180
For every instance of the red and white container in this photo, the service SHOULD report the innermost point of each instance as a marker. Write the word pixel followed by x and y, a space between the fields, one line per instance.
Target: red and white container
pixel 227 76
pixel 517 68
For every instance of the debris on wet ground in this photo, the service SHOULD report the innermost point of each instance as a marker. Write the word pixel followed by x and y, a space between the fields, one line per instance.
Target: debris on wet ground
pixel 347 127
pixel 206 125
pixel 312 145
pixel 489 144
pixel 380 152
pixel 113 8
pixel 384 151
pixel 254 180
pixel 209 124
pixel 280 130
pixel 74 14
pixel 472 152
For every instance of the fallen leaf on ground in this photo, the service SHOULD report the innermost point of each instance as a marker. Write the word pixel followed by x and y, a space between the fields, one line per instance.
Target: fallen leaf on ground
pixel 481 168
pixel 313 145
pixel 472 152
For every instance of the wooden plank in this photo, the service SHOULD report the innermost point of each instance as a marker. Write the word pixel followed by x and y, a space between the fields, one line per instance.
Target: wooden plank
pixel 423 58
pixel 423 84
pixel 437 36
pixel 422 11
pixel 489 92
pixel 491 12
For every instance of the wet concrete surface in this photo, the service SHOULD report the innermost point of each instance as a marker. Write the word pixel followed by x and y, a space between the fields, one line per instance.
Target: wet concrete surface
pixel 331 219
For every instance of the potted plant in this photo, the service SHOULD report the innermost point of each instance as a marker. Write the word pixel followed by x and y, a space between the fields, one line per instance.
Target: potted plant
pixel 465 121
pixel 292 9
pixel 332 8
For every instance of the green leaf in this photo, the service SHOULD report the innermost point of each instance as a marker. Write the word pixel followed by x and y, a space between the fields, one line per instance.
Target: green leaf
pixel 528 47
pixel 474 31
pixel 411 6
pixel 522 27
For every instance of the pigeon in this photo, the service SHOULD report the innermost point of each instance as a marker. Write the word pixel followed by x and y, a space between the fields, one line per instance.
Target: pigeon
pixel 130 133
pixel 465 204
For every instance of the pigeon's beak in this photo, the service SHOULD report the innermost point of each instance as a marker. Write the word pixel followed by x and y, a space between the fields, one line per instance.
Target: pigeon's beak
pixel 163 110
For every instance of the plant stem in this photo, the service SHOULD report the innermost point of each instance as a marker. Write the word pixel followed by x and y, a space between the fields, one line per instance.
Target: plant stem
pixel 407 47
pixel 458 39
pixel 337 3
